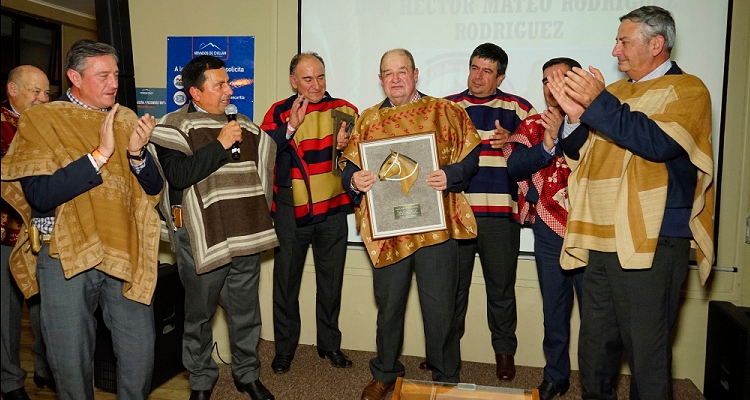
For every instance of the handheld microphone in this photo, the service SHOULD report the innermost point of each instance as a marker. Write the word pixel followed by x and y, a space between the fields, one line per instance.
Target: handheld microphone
pixel 231 112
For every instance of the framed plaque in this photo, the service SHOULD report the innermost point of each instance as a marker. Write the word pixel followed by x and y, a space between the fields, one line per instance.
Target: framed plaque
pixel 401 202
pixel 338 118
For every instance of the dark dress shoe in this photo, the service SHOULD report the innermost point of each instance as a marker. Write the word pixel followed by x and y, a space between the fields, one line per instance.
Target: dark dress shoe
pixel 42 382
pixel 506 367
pixel 281 364
pixel 548 390
pixel 200 394
pixel 18 394
pixel 256 390
pixel 425 366
pixel 376 390
pixel 337 357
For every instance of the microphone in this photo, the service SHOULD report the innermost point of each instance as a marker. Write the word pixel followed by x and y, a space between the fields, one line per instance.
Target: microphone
pixel 231 112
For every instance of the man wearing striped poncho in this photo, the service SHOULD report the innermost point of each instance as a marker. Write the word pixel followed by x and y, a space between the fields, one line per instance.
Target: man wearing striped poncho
pixel 310 209
pixel 640 190
pixel 218 215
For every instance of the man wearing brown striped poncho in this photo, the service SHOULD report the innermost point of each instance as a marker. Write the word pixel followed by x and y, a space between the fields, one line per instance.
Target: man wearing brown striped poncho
pixel 220 223
pixel 640 190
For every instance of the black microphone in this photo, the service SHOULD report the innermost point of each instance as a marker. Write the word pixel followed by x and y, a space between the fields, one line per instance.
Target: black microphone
pixel 231 112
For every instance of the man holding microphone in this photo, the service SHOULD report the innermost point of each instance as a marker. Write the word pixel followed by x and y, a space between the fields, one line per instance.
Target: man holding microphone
pixel 219 181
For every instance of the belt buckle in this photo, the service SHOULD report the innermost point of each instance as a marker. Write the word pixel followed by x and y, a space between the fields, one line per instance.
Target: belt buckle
pixel 45 237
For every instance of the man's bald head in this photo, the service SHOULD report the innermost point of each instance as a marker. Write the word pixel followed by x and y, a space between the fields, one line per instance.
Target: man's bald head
pixel 27 86
pixel 401 52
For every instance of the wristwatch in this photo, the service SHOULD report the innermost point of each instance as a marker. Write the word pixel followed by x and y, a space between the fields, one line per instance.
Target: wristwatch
pixel 139 157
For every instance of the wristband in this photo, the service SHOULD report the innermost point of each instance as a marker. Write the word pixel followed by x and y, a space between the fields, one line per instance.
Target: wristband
pixel 290 129
pixel 99 156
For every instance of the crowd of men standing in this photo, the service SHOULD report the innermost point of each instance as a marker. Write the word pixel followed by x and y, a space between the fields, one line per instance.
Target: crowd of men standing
pixel 616 179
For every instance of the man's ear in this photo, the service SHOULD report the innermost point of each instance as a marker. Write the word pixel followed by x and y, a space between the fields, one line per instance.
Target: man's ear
pixel 657 45
pixel 12 89
pixel 74 77
pixel 416 75
pixel 293 82
pixel 500 80
pixel 195 93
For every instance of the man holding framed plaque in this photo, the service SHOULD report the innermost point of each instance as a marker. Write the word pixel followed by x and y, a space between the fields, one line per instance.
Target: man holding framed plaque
pixel 432 254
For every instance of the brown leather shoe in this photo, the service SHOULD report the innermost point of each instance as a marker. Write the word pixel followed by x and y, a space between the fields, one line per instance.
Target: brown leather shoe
pixel 506 367
pixel 376 390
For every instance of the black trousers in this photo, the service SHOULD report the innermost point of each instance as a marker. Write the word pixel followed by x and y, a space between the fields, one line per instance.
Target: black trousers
pixel 436 270
pixel 497 242
pixel 631 310
pixel 328 239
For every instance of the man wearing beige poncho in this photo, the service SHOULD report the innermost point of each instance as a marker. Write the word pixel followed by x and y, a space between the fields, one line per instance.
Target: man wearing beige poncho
pixel 640 190
pixel 99 228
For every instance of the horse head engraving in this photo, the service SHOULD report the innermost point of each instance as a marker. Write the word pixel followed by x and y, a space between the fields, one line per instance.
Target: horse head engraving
pixel 398 164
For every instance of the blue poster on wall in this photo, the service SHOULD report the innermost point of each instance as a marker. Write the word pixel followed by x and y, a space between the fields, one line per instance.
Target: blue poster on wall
pixel 237 52
pixel 152 101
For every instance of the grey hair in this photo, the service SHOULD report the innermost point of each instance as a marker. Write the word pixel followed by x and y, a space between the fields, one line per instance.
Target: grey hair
pixel 297 58
pixel 83 49
pixel 654 21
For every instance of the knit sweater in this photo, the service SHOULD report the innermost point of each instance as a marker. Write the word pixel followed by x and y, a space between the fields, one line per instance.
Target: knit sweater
pixel 491 192
pixel 305 162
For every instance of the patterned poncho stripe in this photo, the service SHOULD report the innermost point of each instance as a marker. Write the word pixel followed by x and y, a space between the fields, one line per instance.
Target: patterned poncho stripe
pixel 9 124
pixel 10 221
pixel 113 227
pixel 456 138
pixel 491 192
pixel 316 190
pixel 550 183
pixel 226 214
pixel 618 198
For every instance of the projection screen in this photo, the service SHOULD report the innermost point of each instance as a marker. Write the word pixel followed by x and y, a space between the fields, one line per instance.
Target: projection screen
pixel 352 35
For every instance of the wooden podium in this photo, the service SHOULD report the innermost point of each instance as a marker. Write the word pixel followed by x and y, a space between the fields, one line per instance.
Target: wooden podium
pixel 407 389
